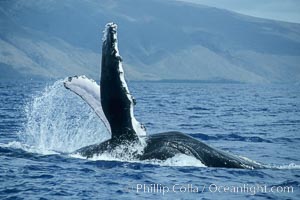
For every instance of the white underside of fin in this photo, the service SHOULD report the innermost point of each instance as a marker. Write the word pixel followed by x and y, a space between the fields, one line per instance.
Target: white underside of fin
pixel 137 126
pixel 89 91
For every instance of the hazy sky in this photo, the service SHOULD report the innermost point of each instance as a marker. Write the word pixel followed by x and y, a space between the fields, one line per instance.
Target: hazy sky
pixel 285 10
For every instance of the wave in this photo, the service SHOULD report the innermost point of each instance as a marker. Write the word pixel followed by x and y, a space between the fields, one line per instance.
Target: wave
pixel 25 147
pixel 284 166
pixel 231 137
pixel 197 108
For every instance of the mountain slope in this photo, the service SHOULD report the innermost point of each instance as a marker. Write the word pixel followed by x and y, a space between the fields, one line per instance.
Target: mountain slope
pixel 157 39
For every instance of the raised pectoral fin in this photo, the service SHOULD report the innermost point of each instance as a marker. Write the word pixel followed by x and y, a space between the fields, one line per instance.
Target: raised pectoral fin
pixel 89 91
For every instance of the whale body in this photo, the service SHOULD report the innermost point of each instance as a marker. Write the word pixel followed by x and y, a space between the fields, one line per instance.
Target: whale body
pixel 114 104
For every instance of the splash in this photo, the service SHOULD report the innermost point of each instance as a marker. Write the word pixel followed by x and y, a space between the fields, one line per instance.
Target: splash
pixel 58 120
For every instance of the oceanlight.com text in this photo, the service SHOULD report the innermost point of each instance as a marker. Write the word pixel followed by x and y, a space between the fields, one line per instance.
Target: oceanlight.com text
pixel 251 189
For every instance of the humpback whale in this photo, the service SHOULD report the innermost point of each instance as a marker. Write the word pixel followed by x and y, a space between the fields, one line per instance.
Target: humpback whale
pixel 114 104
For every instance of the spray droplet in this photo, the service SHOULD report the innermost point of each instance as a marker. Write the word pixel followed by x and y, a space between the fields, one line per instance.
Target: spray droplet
pixel 59 120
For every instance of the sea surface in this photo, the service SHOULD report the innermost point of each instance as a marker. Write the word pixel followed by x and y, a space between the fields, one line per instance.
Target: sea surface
pixel 42 123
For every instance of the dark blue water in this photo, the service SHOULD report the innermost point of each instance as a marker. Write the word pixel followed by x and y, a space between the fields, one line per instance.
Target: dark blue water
pixel 41 123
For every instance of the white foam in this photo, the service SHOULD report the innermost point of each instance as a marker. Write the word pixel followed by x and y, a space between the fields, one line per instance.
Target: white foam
pixel 287 166
pixel 119 155
pixel 182 160
pixel 275 166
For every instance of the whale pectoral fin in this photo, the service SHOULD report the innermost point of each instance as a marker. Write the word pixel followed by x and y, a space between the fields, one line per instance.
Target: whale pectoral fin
pixel 116 100
pixel 89 91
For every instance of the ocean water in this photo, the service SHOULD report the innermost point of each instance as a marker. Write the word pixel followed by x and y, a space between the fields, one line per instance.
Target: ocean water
pixel 41 123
